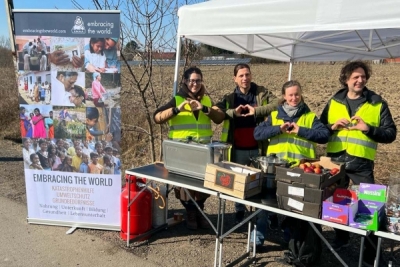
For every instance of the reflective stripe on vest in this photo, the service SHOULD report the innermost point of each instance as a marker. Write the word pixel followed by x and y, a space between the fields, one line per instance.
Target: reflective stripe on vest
pixel 290 146
pixel 355 142
pixel 185 124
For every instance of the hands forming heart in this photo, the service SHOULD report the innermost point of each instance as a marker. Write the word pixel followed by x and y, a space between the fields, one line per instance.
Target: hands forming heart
pixel 290 128
pixel 190 105
pixel 244 111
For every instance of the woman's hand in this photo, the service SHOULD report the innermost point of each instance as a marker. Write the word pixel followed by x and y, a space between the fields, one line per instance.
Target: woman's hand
pixel 293 128
pixel 284 127
pixel 340 124
pixel 182 106
pixel 195 105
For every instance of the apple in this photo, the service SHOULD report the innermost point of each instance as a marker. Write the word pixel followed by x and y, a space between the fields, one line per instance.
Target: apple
pixel 302 166
pixel 308 164
pixel 317 170
pixel 308 170
pixel 334 171
pixel 225 179
pixel 316 165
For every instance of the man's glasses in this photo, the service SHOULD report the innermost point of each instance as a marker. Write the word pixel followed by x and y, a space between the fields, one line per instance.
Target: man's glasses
pixel 198 81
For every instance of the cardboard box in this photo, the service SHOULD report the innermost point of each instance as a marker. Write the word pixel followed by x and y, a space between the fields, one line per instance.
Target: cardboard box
pixel 311 180
pixel 337 207
pixel 374 192
pixel 233 179
pixel 366 214
pixel 298 206
pixel 301 192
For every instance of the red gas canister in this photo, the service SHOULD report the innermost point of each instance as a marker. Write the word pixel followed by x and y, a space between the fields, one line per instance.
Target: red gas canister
pixel 140 210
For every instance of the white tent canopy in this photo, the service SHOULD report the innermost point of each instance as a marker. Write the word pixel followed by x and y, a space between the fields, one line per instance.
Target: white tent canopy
pixel 293 30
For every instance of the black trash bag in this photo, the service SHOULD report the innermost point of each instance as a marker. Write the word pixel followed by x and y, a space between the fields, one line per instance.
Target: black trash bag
pixel 304 244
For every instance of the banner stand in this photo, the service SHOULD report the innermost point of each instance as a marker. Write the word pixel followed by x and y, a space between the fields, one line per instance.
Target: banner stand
pixel 68 78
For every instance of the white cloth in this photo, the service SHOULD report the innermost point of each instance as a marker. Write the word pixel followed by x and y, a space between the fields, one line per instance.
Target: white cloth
pixel 27 156
pixel 59 96
pixel 43 63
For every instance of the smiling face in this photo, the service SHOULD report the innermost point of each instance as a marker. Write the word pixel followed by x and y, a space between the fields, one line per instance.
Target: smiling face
pixel 243 79
pixel 85 158
pixel 43 146
pixel 27 143
pixel 293 95
pixel 109 43
pixel 194 82
pixel 35 159
pixel 69 81
pixel 357 81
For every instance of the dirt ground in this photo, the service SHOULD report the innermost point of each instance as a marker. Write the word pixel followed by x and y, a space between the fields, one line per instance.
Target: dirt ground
pixel 178 246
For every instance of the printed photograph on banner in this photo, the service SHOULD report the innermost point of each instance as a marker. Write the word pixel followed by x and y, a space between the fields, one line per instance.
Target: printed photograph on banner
pixel 34 87
pixel 102 55
pixel 103 89
pixel 68 88
pixel 69 122
pixel 66 54
pixel 32 53
pixel 103 124
pixel 36 121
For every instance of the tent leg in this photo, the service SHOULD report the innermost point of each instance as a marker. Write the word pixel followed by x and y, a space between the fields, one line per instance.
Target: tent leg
pixel 177 62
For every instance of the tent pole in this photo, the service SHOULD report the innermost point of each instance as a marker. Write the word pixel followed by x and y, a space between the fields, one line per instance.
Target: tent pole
pixel 290 70
pixel 177 61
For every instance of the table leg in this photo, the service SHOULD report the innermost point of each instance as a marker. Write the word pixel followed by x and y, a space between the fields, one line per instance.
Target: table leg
pixel 327 244
pixel 378 250
pixel 216 259
pixel 221 242
pixel 361 251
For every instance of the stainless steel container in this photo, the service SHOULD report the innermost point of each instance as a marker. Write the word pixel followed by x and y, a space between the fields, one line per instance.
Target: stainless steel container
pixel 190 158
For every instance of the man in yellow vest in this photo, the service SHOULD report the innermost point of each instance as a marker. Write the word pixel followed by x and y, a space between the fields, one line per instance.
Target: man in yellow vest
pixel 358 119
pixel 244 109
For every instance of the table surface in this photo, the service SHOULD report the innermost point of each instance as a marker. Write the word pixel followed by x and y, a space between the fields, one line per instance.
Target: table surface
pixel 388 235
pixel 157 172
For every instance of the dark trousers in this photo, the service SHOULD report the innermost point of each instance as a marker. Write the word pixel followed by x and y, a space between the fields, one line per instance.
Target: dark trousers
pixel 190 205
pixel 357 177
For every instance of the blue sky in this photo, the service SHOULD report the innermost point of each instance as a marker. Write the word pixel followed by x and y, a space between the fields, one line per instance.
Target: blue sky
pixel 37 4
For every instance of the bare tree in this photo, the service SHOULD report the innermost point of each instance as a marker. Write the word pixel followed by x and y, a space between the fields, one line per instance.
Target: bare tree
pixel 152 25
pixel 5 42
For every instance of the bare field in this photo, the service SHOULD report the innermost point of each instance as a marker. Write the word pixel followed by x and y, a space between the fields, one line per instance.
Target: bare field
pixel 178 246
pixel 319 83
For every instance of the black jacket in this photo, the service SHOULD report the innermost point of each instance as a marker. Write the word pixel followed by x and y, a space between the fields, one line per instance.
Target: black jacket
pixel 385 133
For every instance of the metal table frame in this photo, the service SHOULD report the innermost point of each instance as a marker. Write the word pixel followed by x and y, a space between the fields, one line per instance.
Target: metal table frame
pixel 392 237
pixel 157 172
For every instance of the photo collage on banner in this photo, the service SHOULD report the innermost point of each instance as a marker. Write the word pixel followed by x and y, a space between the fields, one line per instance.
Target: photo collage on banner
pixel 70 115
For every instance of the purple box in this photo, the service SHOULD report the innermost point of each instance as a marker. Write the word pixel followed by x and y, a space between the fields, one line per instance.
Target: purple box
pixel 366 214
pixel 336 208
pixel 374 192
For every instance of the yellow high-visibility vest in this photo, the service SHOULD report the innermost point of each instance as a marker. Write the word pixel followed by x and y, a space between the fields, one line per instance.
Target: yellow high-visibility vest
pixel 185 124
pixel 355 142
pixel 289 146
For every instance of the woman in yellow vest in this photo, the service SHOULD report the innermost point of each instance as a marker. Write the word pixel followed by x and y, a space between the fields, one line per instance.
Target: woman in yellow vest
pixel 189 113
pixel 293 130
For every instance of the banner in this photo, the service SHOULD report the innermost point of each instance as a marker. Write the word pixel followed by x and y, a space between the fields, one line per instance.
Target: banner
pixel 70 116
